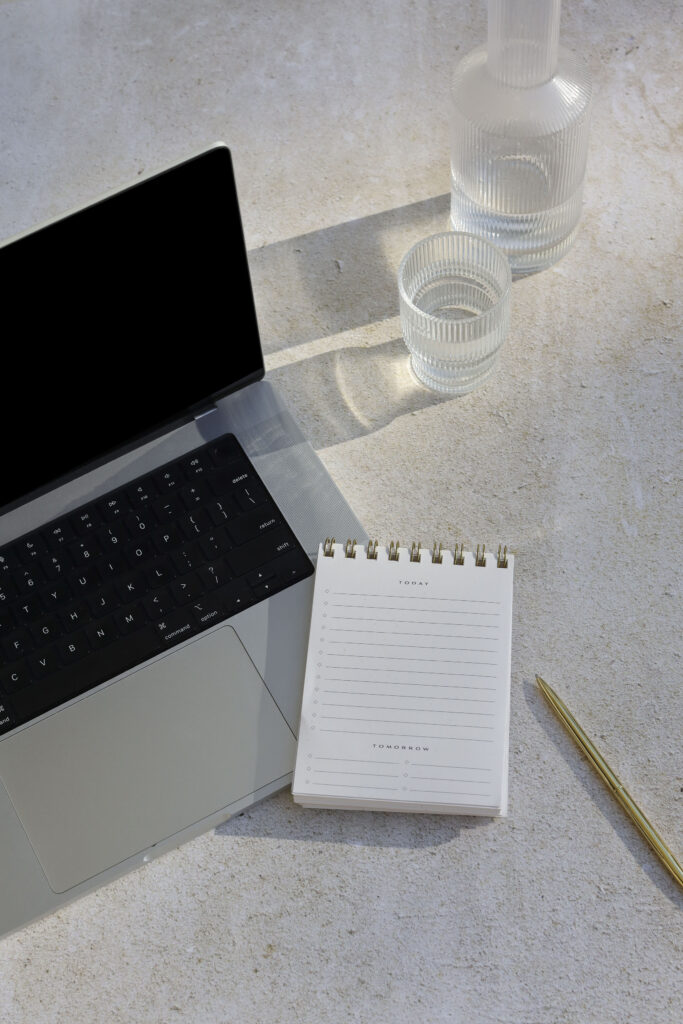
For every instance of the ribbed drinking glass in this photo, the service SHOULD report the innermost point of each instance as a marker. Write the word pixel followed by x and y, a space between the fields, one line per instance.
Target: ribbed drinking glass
pixel 454 294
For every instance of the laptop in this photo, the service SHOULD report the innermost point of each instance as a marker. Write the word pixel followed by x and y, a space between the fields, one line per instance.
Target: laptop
pixel 159 513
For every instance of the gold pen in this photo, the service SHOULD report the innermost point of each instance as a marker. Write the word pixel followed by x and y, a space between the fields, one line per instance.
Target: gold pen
pixel 613 782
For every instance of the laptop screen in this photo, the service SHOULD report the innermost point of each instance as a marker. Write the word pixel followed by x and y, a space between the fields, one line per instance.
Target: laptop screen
pixel 120 318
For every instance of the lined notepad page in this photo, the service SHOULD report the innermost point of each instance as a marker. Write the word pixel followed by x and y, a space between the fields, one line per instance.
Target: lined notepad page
pixel 406 696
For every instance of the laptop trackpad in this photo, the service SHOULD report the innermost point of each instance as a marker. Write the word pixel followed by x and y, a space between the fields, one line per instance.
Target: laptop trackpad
pixel 145 757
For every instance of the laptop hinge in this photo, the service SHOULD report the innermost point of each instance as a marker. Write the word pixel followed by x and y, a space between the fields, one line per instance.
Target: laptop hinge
pixel 204 412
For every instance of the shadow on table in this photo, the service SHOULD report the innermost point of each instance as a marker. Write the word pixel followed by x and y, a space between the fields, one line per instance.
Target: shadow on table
pixel 351 392
pixel 340 279
pixel 280 818
pixel 329 281
pixel 600 796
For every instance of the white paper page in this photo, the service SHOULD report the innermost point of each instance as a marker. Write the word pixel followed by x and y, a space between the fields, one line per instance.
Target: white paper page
pixel 406 697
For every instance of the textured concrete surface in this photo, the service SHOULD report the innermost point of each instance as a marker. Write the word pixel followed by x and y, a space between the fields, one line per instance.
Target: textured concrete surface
pixel 337 113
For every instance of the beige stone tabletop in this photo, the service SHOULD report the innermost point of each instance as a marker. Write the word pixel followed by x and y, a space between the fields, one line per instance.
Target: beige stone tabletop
pixel 337 115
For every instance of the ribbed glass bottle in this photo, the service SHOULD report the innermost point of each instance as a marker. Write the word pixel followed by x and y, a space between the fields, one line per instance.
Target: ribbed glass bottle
pixel 519 136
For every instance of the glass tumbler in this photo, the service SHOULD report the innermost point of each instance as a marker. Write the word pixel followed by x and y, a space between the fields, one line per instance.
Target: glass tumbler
pixel 454 293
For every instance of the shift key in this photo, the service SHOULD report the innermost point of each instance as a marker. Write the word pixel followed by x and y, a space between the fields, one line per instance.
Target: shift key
pixel 257 552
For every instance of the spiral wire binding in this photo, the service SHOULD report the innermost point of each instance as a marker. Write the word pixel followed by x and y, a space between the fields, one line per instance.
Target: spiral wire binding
pixel 415 552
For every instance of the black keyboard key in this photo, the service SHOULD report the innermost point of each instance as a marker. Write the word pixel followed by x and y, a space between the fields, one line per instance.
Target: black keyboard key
pixel 56 595
pixel 142 494
pixel 141 524
pixel 8 622
pixel 75 616
pixel 158 603
pixel 195 495
pixel 177 626
pixel 113 537
pixel 112 565
pixel 46 630
pixel 214 575
pixel 166 509
pixel 101 633
pixel 57 565
pixel 161 571
pixel 169 479
pixel 7 720
pixel 29 608
pixel 113 507
pixel 31 549
pixel 167 539
pixel 58 535
pixel 86 521
pixel 214 544
pixel 131 619
pixel 131 587
pixel 224 449
pixel 266 588
pixel 293 567
pixel 194 524
pixel 9 561
pixel 187 558
pixel 260 575
pixel 250 495
pixel 27 581
pixel 234 597
pixel 14 677
pixel 7 590
pixel 86 551
pixel 73 648
pixel 104 601
pixel 195 467
pixel 208 611
pixel 226 480
pixel 257 552
pixel 254 524
pixel 86 581
pixel 141 552
pixel 43 663
pixel 16 644
pixel 221 511
pixel 185 589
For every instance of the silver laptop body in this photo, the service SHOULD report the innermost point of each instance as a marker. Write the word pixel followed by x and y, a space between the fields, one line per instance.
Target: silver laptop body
pixel 202 730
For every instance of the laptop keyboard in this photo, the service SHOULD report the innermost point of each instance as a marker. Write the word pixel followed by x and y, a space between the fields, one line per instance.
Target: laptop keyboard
pixel 125 577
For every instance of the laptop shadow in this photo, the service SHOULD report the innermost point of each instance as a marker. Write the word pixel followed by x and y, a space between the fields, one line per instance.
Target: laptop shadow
pixel 329 281
pixel 279 817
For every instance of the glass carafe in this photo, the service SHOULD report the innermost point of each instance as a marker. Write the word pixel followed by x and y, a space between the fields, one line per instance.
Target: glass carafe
pixel 519 136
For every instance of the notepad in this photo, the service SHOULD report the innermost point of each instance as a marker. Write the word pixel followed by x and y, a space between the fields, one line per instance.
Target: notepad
pixel 407 688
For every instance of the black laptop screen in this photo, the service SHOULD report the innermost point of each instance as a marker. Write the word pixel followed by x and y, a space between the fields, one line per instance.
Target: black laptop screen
pixel 120 318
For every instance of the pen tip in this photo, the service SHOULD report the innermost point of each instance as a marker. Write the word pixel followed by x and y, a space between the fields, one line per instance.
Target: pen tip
pixel 543 687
